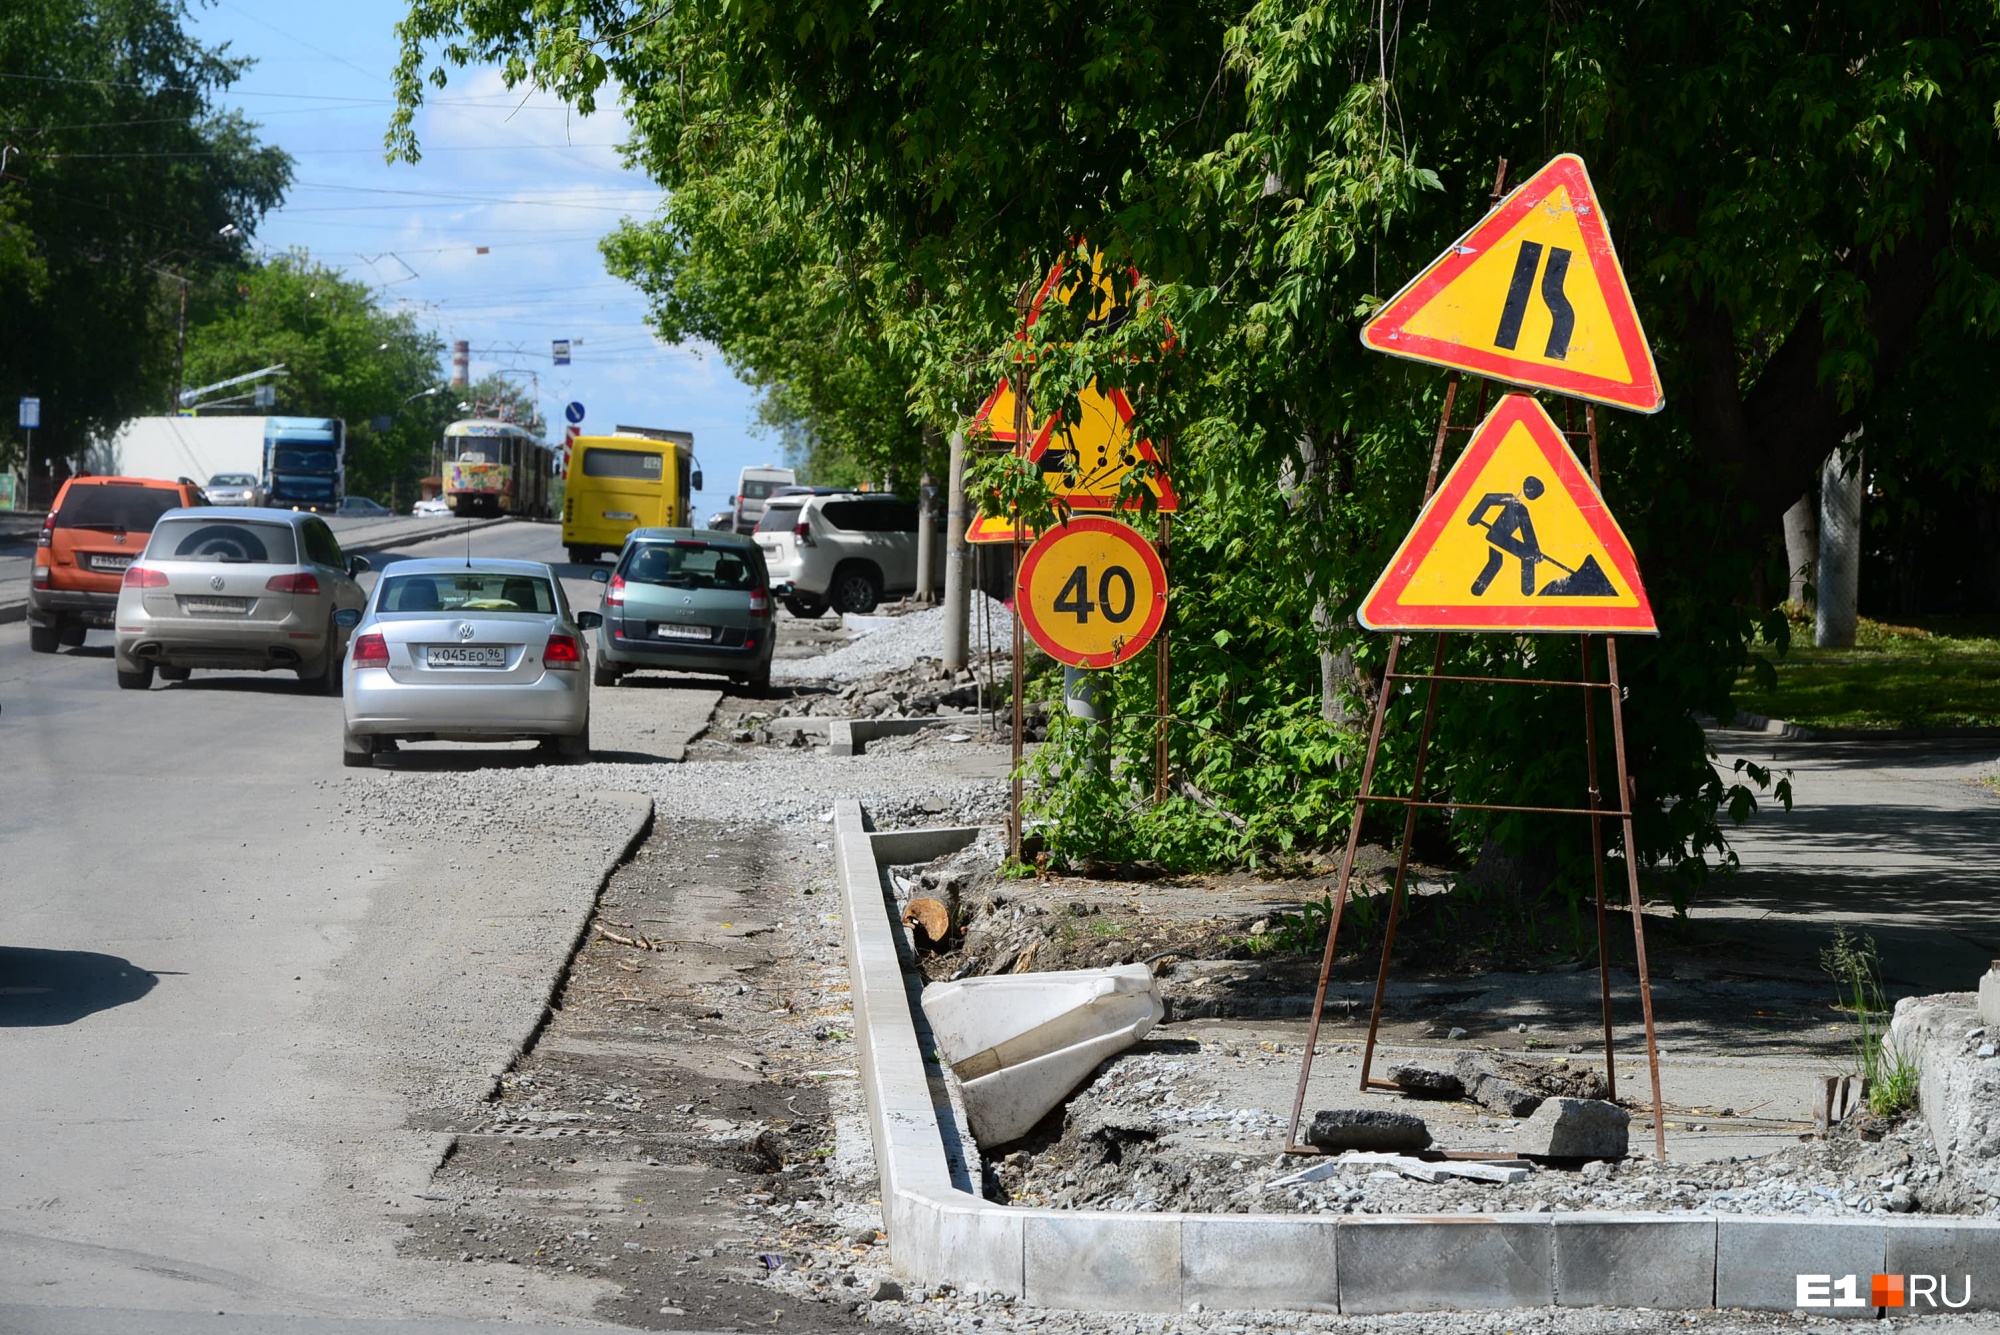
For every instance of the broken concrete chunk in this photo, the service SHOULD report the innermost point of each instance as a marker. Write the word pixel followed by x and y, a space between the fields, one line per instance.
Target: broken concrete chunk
pixel 1368 1129
pixel 1577 1129
pixel 1489 1089
pixel 1427 1082
pixel 1989 997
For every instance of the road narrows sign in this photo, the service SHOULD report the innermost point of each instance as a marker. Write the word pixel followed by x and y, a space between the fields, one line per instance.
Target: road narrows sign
pixel 1516 539
pixel 1091 592
pixel 1533 294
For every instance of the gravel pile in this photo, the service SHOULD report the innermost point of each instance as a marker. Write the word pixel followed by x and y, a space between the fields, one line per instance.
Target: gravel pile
pixel 899 787
pixel 901 643
pixel 1117 1152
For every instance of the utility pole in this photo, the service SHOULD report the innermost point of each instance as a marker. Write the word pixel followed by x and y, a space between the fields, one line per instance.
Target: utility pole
pixel 957 560
pixel 926 529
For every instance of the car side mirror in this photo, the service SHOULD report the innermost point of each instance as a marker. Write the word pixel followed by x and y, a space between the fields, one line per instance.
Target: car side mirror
pixel 694 480
pixel 358 565
pixel 600 576
pixel 589 620
pixel 347 618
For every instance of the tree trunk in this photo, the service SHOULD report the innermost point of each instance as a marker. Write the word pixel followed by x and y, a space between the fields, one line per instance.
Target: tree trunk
pixel 1840 486
pixel 1802 547
pixel 957 560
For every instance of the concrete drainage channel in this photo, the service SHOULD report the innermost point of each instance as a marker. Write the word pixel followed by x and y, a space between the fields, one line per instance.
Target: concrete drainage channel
pixel 942 1231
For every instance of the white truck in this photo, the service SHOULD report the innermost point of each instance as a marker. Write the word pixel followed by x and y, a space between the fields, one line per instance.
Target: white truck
pixel 296 462
pixel 755 487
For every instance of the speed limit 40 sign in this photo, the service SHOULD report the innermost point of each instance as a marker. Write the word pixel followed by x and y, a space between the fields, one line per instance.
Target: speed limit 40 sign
pixel 1091 592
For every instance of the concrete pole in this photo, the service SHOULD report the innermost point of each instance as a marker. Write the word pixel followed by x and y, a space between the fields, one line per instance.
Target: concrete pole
pixel 957 560
pixel 1801 548
pixel 1840 487
pixel 926 528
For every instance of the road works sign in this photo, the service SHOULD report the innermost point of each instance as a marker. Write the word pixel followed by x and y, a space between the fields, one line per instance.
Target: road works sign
pixel 1091 592
pixel 1516 539
pixel 1533 294
pixel 1086 462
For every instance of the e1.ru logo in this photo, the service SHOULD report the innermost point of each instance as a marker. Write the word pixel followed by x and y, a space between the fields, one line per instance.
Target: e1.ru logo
pixel 1883 1291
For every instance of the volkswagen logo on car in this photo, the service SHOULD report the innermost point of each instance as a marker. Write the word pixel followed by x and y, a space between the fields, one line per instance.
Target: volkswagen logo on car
pixel 215 582
pixel 465 630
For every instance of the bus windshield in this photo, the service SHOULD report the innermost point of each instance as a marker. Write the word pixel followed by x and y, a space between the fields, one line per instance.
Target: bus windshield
pixel 642 465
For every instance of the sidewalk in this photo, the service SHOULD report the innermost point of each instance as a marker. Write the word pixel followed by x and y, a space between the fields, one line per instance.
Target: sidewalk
pixel 1895 838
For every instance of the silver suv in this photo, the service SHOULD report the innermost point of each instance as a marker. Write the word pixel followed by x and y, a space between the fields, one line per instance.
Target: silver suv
pixel 845 551
pixel 236 588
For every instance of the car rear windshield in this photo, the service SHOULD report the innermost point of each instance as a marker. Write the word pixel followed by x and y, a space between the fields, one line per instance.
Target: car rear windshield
pixel 113 505
pixel 233 540
pixel 622 463
pixel 692 565
pixel 758 489
pixel 467 591
pixel 778 518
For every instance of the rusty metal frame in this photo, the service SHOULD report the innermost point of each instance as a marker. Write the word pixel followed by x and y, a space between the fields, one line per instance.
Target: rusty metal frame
pixel 1414 801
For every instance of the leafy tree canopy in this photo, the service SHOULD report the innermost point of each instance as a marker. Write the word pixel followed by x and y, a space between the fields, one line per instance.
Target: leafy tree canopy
pixel 121 182
pixel 1803 194
pixel 345 355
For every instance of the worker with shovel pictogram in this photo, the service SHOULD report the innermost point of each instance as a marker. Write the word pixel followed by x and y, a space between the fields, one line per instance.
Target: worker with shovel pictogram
pixel 1512 533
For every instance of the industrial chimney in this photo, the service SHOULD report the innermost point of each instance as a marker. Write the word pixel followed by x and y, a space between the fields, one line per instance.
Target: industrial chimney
pixel 461 363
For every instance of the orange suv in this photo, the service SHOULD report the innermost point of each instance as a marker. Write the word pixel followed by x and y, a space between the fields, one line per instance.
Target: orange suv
pixel 97 527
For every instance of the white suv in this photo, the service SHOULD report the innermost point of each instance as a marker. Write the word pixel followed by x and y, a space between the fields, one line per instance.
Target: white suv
pixel 844 551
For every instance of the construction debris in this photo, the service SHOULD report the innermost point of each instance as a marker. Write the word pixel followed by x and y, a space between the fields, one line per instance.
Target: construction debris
pixel 1367 1129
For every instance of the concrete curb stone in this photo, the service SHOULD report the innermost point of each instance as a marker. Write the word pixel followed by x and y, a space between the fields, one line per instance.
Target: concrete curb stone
pixel 940 1230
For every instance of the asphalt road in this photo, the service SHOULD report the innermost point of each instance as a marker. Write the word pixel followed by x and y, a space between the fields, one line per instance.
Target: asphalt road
pixel 220 1005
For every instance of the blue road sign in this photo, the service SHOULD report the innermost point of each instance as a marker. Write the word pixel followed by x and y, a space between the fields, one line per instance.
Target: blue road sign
pixel 574 412
pixel 561 349
pixel 31 413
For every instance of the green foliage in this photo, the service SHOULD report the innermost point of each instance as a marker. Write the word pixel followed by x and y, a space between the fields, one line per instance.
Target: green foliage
pixel 120 176
pixel 1856 968
pixel 346 356
pixel 864 196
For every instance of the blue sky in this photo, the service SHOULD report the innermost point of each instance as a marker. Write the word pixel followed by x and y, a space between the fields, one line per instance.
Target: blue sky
pixel 520 174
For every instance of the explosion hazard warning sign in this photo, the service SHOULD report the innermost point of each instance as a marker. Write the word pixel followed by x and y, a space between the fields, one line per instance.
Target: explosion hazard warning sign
pixel 1516 539
pixel 1533 294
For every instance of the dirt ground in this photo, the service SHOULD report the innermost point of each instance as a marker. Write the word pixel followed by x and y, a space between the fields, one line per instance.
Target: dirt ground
pixel 667 1132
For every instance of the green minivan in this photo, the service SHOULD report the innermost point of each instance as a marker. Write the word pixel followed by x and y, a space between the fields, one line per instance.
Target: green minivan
pixel 687 600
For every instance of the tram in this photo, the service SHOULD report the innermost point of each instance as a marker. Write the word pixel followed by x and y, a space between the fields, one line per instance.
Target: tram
pixel 496 468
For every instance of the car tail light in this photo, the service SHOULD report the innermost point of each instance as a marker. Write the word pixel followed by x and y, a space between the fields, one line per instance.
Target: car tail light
pixel 40 579
pixel 803 531
pixel 561 652
pixel 760 602
pixel 371 651
pixel 143 577
pixel 48 530
pixel 614 592
pixel 300 583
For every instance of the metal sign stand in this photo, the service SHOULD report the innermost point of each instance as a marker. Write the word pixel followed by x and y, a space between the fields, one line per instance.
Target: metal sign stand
pixel 1415 801
pixel 1014 831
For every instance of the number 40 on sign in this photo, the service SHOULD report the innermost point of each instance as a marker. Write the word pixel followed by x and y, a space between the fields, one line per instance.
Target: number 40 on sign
pixel 1091 592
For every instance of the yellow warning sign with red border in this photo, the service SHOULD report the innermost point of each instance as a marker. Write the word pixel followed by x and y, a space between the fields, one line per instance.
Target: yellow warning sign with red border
pixel 1533 294
pixel 1085 462
pixel 1092 592
pixel 1515 539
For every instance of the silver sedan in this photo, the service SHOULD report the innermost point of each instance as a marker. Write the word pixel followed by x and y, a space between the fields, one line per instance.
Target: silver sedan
pixel 468 651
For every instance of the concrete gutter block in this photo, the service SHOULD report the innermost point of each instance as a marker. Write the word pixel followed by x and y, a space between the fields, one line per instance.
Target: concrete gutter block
pixel 1413 1264
pixel 1240 1262
pixel 1960 1252
pixel 1635 1260
pixel 970 1245
pixel 839 737
pixel 1758 1261
pixel 1091 1262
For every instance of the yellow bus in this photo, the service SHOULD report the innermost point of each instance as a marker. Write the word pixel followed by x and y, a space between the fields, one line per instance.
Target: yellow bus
pixel 639 478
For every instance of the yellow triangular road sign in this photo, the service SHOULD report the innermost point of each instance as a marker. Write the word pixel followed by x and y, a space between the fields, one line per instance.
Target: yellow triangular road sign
pixel 1515 539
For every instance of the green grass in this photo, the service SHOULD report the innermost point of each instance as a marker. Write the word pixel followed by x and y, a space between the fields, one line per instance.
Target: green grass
pixel 1940 672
